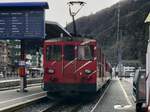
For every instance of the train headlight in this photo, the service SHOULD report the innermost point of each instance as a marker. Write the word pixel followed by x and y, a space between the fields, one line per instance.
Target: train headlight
pixel 50 71
pixel 87 71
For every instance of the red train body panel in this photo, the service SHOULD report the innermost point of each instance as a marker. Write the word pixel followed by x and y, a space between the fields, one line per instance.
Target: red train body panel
pixel 74 66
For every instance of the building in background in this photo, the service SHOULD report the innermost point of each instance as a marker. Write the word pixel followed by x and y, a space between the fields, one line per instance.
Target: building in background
pixel 3 56
pixel 14 55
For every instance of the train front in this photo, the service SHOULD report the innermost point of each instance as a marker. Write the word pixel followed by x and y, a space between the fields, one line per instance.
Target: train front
pixel 69 66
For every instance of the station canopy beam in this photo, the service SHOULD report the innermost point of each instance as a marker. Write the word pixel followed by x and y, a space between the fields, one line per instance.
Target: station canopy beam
pixel 23 5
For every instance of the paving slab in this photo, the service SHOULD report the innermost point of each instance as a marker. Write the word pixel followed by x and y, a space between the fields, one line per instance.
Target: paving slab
pixel 11 98
pixel 117 98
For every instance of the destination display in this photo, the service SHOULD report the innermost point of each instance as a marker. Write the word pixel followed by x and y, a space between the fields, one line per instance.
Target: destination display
pixel 22 24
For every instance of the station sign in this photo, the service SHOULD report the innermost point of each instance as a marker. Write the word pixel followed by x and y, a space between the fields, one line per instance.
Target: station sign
pixel 22 63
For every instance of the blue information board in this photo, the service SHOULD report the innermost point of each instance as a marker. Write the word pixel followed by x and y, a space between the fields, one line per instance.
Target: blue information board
pixel 22 20
pixel 22 24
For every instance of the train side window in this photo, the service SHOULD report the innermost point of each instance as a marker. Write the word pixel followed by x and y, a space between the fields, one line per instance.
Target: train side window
pixel 53 52
pixel 69 52
pixel 85 52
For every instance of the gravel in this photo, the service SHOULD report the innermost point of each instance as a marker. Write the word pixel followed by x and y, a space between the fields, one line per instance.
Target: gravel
pixel 38 106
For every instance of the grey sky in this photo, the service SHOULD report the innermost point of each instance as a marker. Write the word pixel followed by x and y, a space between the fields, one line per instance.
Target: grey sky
pixel 59 10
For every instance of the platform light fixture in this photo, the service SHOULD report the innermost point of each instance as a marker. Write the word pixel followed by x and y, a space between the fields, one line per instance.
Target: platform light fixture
pixel 147 20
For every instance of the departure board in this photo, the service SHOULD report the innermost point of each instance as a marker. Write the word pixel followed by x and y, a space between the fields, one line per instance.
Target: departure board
pixel 22 24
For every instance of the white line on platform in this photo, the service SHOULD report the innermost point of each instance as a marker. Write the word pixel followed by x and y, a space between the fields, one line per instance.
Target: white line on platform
pixel 22 97
pixel 100 98
pixel 125 94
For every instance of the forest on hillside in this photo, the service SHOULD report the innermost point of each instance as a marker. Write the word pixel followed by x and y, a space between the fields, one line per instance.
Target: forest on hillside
pixel 133 31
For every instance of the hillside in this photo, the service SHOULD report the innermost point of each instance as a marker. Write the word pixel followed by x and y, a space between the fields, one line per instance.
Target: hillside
pixel 103 26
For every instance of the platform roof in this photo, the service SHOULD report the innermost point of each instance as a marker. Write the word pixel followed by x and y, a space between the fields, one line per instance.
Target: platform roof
pixel 54 30
pixel 19 5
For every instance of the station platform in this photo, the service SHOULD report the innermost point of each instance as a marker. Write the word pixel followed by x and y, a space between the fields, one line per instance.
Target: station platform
pixel 117 97
pixel 12 98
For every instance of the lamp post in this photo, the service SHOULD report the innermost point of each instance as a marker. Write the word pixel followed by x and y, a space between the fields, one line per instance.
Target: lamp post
pixel 148 64
pixel 74 8
pixel 119 49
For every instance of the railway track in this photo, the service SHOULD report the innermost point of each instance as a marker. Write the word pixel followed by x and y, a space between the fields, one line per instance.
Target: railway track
pixel 18 87
pixel 64 106
pixel 77 106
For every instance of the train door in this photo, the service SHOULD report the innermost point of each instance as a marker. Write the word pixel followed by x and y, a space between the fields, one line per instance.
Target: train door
pixel 85 56
pixel 69 63
pixel 102 67
pixel 99 67
pixel 52 62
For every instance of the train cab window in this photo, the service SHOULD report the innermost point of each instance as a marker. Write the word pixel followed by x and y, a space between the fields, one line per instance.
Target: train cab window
pixel 53 52
pixel 69 52
pixel 85 52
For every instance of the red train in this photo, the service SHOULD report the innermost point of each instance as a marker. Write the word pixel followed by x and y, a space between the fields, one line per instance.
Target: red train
pixel 74 66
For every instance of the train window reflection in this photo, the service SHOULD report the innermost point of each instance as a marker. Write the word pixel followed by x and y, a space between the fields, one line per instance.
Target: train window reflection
pixel 53 52
pixel 69 52
pixel 85 52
